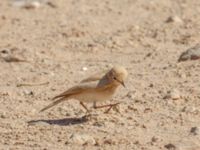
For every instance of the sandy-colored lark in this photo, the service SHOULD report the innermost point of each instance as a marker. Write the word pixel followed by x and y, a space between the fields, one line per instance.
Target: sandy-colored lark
pixel 88 91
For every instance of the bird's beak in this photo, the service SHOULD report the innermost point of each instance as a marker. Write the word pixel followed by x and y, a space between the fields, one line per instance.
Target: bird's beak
pixel 121 82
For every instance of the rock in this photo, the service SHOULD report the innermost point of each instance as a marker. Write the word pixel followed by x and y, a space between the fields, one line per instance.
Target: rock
pixel 194 130
pixel 51 4
pixel 170 146
pixel 82 139
pixel 27 4
pixel 190 54
pixel 99 124
pixel 190 110
pixel 154 139
pixel 109 142
pixel 3 115
pixel 175 19
pixel 40 122
pixel 28 92
pixel 131 94
pixel 151 85
pixel 34 4
pixel 173 94
pixel 5 51
pixel 6 55
pixel 84 68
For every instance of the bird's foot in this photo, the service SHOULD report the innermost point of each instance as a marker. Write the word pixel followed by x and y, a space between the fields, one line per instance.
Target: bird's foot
pixel 112 106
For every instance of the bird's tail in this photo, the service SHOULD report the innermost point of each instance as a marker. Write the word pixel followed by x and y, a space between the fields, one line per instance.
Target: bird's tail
pixel 52 104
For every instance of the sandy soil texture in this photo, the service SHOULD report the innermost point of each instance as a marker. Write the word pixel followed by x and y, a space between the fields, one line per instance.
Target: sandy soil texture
pixel 62 42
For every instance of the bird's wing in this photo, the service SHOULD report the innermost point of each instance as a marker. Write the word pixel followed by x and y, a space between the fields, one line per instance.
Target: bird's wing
pixel 65 95
pixel 76 90
pixel 94 77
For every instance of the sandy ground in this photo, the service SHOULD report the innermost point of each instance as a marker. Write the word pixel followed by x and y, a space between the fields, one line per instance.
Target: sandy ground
pixel 65 41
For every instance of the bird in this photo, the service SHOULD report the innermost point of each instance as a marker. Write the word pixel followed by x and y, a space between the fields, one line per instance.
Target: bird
pixel 88 91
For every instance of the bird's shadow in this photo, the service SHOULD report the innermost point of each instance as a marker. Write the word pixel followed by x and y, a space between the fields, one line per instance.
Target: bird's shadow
pixel 60 122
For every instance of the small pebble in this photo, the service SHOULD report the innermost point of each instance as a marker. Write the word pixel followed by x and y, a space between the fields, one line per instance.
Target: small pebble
pixel 109 142
pixel 154 139
pixel 131 94
pixel 194 130
pixel 190 109
pixel 170 146
pixel 98 124
pixel 82 139
pixel 3 115
pixel 35 4
pixel 192 53
pixel 175 19
pixel 28 92
pixel 173 94
pixel 84 68
pixel 38 123
pixel 5 51
pixel 27 4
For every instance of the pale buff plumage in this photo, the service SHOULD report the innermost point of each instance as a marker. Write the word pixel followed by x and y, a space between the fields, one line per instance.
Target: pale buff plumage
pixel 95 77
pixel 89 91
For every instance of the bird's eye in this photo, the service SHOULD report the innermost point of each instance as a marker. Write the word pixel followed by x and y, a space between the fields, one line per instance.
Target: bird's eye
pixel 114 78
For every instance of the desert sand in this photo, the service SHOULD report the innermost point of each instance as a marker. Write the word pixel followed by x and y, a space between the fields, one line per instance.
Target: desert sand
pixel 62 42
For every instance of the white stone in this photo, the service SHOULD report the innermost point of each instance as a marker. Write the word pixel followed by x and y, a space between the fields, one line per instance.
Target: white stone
pixel 175 94
pixel 84 68
pixel 82 139
pixel 175 19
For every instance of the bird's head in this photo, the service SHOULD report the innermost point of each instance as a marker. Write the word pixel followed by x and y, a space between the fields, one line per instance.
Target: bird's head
pixel 117 75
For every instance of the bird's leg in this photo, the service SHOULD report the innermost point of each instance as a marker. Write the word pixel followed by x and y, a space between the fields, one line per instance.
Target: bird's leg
pixel 109 105
pixel 87 115
pixel 94 104
pixel 84 107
